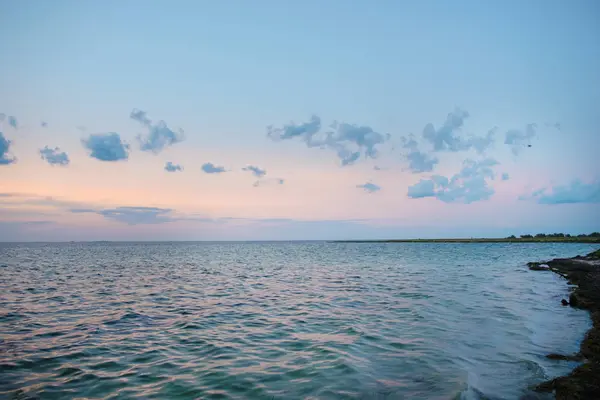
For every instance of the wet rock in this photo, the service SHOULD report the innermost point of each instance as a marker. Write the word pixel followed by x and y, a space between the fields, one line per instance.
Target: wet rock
pixel 564 302
pixel 564 357
pixel 537 266
pixel 573 301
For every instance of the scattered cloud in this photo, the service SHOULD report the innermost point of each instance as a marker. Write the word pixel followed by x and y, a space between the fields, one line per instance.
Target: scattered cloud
pixel 54 156
pixel 210 168
pixel 256 171
pixel 468 186
pixel 5 158
pixel 170 167
pixel 369 187
pixel 445 137
pixel 418 161
pixel 159 135
pixel 518 139
pixel 505 176
pixel 482 143
pixel 555 125
pixel 44 124
pixel 12 121
pixel 132 215
pixel 347 140
pixel 423 188
pixel 269 182
pixel 575 192
pixel 106 147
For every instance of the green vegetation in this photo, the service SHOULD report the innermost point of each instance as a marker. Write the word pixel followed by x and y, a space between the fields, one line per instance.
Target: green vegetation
pixel 593 237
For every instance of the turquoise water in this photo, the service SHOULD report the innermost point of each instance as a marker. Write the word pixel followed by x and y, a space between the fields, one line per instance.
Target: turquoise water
pixel 282 320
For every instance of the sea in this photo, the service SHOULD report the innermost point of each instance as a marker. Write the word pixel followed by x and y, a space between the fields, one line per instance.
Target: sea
pixel 283 320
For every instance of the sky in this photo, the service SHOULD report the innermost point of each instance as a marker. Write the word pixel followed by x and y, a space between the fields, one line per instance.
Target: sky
pixel 313 120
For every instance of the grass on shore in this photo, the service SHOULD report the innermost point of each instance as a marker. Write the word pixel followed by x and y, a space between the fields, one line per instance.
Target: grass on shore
pixel 572 239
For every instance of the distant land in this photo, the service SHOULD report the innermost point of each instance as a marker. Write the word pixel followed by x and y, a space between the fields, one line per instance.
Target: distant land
pixel 539 238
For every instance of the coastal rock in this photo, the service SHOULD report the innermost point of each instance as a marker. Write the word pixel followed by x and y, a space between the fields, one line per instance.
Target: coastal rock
pixel 564 302
pixel 538 266
pixel 563 357
pixel 584 381
pixel 573 300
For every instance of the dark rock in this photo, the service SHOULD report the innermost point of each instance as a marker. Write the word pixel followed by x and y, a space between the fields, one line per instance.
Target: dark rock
pixel 573 301
pixel 537 266
pixel 564 302
pixel 563 357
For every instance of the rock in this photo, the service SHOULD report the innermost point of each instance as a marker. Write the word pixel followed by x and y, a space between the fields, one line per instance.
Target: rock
pixel 573 301
pixel 564 302
pixel 537 266
pixel 554 356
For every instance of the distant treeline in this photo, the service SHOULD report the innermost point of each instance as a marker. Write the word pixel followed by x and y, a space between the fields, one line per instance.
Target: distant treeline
pixel 556 235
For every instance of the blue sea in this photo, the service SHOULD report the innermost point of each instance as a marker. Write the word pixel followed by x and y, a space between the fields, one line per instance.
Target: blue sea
pixel 282 320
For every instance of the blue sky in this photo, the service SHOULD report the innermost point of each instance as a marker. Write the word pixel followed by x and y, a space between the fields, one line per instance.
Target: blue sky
pixel 141 106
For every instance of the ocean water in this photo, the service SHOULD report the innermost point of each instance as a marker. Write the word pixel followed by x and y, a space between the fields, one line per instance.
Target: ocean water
pixel 282 320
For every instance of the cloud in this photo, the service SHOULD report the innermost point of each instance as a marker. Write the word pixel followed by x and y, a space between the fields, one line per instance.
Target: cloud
pixel 210 168
pixel 575 192
pixel 106 147
pixel 505 176
pixel 159 135
pixel 2 117
pixel 132 215
pixel 468 186
pixel 417 161
pixel 347 140
pixel 170 167
pixel 12 121
pixel 518 139
pixel 445 137
pixel 44 124
pixel 369 187
pixel 482 143
pixel 269 182
pixel 5 158
pixel 54 156
pixel 256 171
pixel 423 188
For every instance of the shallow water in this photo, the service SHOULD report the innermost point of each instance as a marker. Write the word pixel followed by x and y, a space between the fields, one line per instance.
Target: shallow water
pixel 282 320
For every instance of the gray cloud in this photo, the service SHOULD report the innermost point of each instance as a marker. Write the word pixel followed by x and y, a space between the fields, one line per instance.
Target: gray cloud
pixel 132 215
pixel 575 192
pixel 170 167
pixel 519 139
pixel 505 176
pixel 347 140
pixel 417 161
pixel 44 124
pixel 106 147
pixel 210 168
pixel 54 156
pixel 256 171
pixel 159 135
pixel 445 137
pixel 269 182
pixel 5 158
pixel 468 186
pixel 12 121
pixel 369 187
pixel 482 143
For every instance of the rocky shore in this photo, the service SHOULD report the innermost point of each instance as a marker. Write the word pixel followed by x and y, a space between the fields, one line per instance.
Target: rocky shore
pixel 583 272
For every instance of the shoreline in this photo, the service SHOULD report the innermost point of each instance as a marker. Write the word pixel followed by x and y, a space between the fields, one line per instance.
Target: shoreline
pixel 584 273
pixel 591 240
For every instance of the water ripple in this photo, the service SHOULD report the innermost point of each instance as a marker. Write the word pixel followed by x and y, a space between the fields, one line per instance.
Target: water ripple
pixel 280 321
